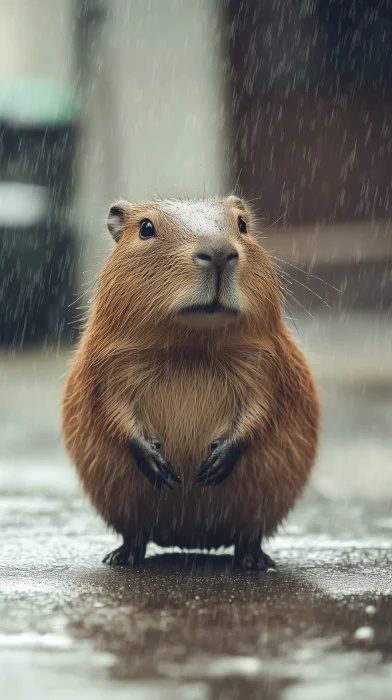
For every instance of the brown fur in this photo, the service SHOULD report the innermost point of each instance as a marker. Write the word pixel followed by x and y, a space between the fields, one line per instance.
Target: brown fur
pixel 137 369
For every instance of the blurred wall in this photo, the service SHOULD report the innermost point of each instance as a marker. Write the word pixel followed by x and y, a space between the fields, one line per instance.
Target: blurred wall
pixel 148 78
pixel 36 39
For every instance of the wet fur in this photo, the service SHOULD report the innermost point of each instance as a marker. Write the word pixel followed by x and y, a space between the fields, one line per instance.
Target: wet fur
pixel 137 369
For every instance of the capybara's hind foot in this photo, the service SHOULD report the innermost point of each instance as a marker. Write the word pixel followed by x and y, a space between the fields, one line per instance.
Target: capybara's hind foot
pixel 249 555
pixel 259 562
pixel 131 553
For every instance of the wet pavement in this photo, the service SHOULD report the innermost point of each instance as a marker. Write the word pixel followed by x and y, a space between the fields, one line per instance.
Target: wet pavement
pixel 189 626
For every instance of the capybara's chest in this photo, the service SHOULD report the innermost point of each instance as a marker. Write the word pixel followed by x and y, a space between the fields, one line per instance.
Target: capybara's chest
pixel 186 408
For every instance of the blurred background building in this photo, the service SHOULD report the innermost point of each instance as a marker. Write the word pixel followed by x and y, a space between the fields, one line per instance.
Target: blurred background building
pixel 287 101
pixel 310 92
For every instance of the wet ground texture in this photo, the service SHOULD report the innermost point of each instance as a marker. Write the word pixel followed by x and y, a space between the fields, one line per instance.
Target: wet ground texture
pixel 190 626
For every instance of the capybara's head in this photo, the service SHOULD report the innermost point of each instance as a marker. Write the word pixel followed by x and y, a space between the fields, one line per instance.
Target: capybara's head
pixel 189 264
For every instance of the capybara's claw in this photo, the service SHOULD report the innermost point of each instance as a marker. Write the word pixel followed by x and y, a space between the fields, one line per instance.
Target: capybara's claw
pixel 151 463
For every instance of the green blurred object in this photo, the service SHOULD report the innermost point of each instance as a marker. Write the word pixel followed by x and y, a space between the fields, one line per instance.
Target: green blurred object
pixel 38 137
pixel 38 130
pixel 36 102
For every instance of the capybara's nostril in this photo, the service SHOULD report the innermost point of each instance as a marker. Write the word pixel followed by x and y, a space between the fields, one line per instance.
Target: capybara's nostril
pixel 204 259
pixel 232 257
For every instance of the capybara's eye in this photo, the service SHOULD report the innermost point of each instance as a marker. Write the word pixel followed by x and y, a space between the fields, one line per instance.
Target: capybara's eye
pixel 146 230
pixel 242 225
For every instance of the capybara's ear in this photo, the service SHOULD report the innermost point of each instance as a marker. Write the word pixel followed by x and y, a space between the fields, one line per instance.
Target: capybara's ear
pixel 237 201
pixel 117 218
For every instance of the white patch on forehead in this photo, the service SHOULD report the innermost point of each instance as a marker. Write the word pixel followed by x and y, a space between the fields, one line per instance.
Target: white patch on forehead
pixel 200 218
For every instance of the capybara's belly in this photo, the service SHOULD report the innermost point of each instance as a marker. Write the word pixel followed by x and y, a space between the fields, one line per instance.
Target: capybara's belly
pixel 186 411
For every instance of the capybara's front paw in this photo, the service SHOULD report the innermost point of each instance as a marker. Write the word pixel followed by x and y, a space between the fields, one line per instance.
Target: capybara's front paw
pixel 151 463
pixel 219 465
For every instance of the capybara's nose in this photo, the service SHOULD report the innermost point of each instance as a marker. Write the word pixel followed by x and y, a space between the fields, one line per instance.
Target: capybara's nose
pixel 216 255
